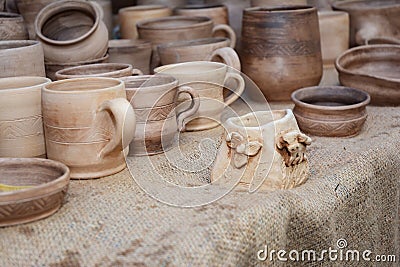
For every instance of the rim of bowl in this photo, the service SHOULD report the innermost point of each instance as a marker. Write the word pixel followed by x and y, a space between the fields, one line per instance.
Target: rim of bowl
pixel 352 4
pixel 161 69
pixel 144 24
pixel 39 81
pixel 200 6
pixel 144 78
pixel 117 83
pixel 142 8
pixel 280 9
pixel 115 68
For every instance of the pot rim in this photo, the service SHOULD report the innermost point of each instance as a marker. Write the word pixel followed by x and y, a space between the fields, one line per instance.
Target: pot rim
pixel 352 5
pixel 115 68
pixel 39 81
pixel 194 42
pixel 232 122
pixel 116 85
pixel 173 82
pixel 142 8
pixel 23 44
pixel 279 9
pixel 144 24
pixel 161 69
pixel 58 7
pixel 10 16
pixel 128 43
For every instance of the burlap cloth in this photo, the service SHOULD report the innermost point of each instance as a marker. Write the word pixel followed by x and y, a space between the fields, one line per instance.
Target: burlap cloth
pixel 352 193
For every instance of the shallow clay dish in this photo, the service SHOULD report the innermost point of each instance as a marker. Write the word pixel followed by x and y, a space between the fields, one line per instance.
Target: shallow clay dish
pixel 333 111
pixel 30 189
pixel 374 69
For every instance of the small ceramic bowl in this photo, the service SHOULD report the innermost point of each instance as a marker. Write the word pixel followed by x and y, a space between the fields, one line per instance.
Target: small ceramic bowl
pixel 332 111
pixel 31 189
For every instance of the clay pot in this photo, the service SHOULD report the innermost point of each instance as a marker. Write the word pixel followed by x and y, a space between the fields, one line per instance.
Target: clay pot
pixel 12 27
pixel 332 111
pixel 208 78
pixel 21 127
pixel 130 16
pixel 371 19
pixel 21 58
pixel 208 49
pixel 374 69
pixel 71 31
pixel 264 148
pixel 154 100
pixel 88 123
pixel 106 9
pixel 217 12
pixel 52 68
pixel 38 189
pixel 274 3
pixel 134 52
pixel 281 49
pixel 110 70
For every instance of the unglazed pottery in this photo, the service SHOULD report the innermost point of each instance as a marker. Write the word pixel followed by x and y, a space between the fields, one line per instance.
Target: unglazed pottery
pixel 21 58
pixel 371 19
pixel 217 12
pixel 208 78
pixel 88 123
pixel 271 3
pixel 21 127
pixel 12 27
pixel 281 49
pixel 71 31
pixel 130 16
pixel 374 69
pixel 134 52
pixel 207 49
pixel 154 100
pixel 264 148
pixel 111 70
pixel 332 111
pixel 43 185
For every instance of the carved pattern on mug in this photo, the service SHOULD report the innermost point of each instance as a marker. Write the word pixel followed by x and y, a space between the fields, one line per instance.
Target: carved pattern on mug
pixel 79 135
pixel 262 48
pixel 155 114
pixel 24 127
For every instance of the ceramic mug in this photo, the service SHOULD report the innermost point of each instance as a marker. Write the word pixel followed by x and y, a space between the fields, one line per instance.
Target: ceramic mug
pixel 208 78
pixel 21 127
pixel 88 123
pixel 154 99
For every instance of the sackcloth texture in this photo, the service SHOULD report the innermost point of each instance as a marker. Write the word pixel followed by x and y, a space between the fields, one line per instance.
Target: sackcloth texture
pixel 352 194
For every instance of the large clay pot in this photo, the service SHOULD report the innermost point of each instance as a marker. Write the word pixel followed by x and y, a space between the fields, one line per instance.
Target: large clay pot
pixel 12 27
pixel 281 49
pixel 272 3
pixel 21 58
pixel 130 16
pixel 371 19
pixel 71 31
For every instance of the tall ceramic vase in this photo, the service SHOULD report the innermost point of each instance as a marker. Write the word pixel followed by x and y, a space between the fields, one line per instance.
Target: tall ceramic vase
pixel 281 49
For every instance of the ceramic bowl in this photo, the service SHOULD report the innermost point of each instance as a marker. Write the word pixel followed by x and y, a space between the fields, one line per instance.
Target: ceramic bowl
pixel 333 111
pixel 31 189
pixel 374 69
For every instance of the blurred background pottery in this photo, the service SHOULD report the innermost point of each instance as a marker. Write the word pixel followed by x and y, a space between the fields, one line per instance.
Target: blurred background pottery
pixel 106 9
pixel 170 3
pixel 12 27
pixel 21 127
pixel 272 3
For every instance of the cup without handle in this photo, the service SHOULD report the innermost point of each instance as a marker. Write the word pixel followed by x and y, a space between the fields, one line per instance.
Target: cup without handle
pixel 238 91
pixel 124 122
pixel 194 106
pixel 228 56
pixel 231 34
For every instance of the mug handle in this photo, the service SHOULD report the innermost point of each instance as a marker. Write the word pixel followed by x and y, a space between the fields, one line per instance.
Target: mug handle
pixel 228 56
pixel 137 72
pixel 194 106
pixel 239 89
pixel 124 122
pixel 228 30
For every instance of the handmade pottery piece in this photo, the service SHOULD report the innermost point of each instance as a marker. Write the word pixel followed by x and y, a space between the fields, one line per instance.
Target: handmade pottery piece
pixel 88 123
pixel 21 127
pixel 217 12
pixel 111 70
pixel 371 19
pixel 281 49
pixel 374 69
pixel 154 100
pixel 264 148
pixel 130 16
pixel 272 3
pixel 332 111
pixel 12 27
pixel 207 49
pixel 71 31
pixel 134 52
pixel 40 186
pixel 208 78
pixel 21 58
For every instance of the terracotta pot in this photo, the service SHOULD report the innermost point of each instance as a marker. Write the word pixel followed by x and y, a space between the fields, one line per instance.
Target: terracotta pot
pixel 134 52
pixel 264 148
pixel 12 27
pixel 208 78
pixel 281 49
pixel 208 49
pixel 21 127
pixel 42 185
pixel 71 31
pixel 130 16
pixel 374 69
pixel 371 19
pixel 52 68
pixel 110 70
pixel 274 3
pixel 88 123
pixel 154 100
pixel 217 12
pixel 332 111
pixel 21 58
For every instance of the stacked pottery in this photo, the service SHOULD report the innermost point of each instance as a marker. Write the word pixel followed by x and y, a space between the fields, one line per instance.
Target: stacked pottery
pixel 12 27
